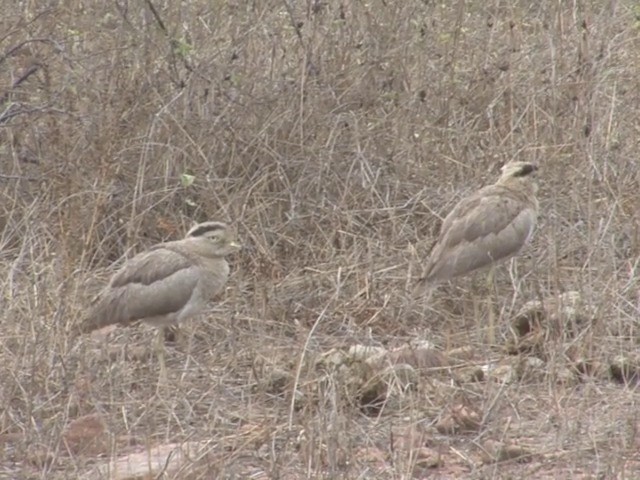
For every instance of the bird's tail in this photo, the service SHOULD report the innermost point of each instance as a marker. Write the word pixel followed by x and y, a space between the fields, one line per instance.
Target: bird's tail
pixel 421 286
pixel 103 312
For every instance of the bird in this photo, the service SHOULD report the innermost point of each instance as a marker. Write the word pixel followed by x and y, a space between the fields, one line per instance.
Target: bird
pixel 489 226
pixel 166 284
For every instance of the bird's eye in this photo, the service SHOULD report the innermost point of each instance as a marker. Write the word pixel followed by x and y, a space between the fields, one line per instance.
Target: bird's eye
pixel 526 170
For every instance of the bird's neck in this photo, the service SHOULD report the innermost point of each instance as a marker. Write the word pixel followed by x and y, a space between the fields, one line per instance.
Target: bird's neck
pixel 199 246
pixel 525 185
pixel 523 188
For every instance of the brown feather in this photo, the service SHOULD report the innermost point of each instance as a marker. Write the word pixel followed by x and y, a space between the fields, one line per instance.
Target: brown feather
pixel 164 285
pixel 486 213
pixel 491 225
pixel 147 267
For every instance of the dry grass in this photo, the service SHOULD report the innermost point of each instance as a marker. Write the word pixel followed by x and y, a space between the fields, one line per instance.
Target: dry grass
pixel 333 136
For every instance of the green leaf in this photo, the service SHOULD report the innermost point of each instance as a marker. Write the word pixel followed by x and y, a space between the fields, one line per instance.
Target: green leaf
pixel 182 48
pixel 187 180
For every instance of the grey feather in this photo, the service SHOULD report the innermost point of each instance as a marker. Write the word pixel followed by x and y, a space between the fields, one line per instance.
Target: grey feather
pixel 489 226
pixel 477 246
pixel 146 267
pixel 166 284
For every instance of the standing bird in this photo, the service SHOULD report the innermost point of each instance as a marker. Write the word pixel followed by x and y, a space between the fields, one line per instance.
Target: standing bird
pixel 166 284
pixel 489 226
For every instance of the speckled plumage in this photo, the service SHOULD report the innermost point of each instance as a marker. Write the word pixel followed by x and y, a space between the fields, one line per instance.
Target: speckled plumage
pixel 168 283
pixel 489 226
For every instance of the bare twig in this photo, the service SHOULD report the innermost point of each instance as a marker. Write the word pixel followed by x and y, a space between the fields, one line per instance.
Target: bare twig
pixel 19 177
pixel 311 68
pixel 156 15
pixel 17 47
pixel 22 78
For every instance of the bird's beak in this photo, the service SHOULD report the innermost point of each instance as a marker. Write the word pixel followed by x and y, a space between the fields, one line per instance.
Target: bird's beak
pixel 235 244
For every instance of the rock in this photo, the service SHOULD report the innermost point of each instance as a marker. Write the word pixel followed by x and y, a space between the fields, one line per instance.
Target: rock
pixel 371 391
pixel 531 343
pixel 87 435
pixel 586 367
pixel 276 381
pixel 408 437
pixel 427 458
pixel 39 456
pixel 459 419
pixel 364 352
pixel 422 344
pixel 373 378
pixel 462 354
pixel 566 313
pixel 374 457
pixel 299 400
pixel 498 451
pixel 625 369
pixel 372 394
pixel 130 353
pixel 529 318
pixel 164 460
pixel 422 356
pixel 358 383
pixel 504 373
pixel 530 369
pixel 331 360
pixel 401 377
pixel 470 375
pixel 102 333
pixel 388 388
pixel 566 376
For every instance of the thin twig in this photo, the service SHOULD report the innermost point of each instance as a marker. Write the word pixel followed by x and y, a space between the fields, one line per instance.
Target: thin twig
pixel 18 177
pixel 156 15
pixel 17 47
pixel 22 78
pixel 296 26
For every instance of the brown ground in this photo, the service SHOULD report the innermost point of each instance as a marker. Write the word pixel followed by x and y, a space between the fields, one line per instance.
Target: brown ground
pixel 333 136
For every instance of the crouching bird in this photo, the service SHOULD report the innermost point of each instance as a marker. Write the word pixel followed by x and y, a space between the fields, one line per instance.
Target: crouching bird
pixel 166 284
pixel 487 227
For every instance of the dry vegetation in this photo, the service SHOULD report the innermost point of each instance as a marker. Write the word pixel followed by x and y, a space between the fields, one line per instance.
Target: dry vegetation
pixel 333 136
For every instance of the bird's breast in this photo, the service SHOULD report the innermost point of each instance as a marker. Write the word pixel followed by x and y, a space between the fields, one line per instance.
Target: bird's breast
pixel 215 273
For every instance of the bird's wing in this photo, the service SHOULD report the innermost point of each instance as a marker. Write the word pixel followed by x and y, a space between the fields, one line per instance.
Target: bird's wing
pixel 155 283
pixel 484 228
pixel 149 266
pixel 162 297
pixel 486 214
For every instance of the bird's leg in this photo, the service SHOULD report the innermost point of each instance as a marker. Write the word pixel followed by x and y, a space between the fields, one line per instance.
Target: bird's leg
pixel 515 283
pixel 491 297
pixel 172 334
pixel 513 273
pixel 160 353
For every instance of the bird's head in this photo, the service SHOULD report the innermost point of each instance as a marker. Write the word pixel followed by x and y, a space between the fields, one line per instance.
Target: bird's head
pixel 519 169
pixel 219 237
pixel 519 172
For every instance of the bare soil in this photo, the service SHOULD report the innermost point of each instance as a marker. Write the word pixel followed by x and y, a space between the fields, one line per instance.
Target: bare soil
pixel 333 136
